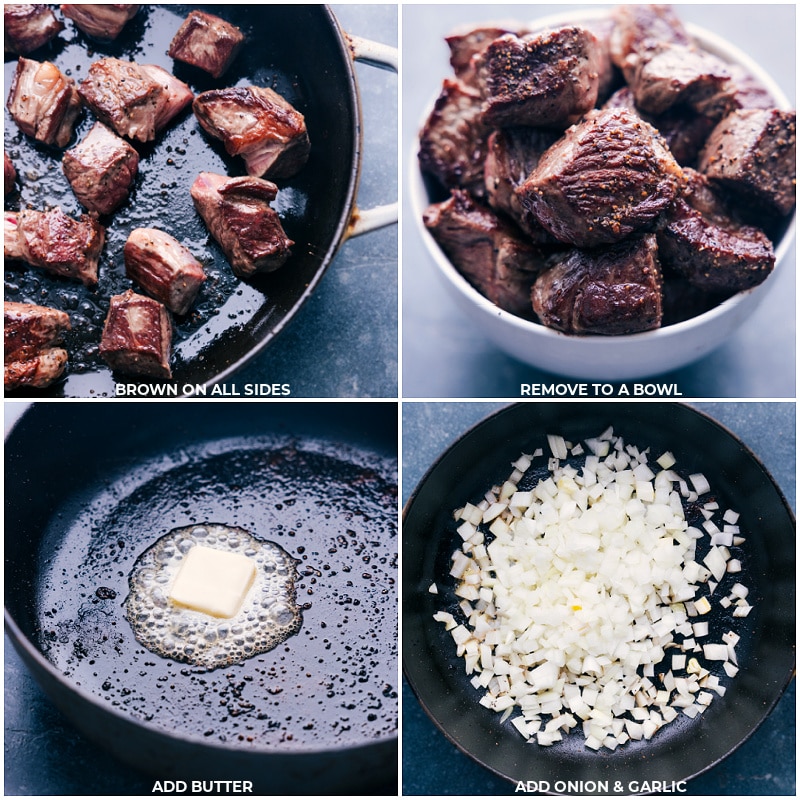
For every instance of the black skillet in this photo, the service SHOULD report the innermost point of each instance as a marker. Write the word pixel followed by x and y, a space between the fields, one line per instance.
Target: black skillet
pixel 300 51
pixel 318 714
pixel 481 458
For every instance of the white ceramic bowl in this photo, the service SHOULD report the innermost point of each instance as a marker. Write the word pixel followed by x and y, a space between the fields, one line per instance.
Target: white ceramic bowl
pixel 611 358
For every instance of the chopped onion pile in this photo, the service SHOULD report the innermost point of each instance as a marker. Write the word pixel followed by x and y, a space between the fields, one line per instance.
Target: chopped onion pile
pixel 585 606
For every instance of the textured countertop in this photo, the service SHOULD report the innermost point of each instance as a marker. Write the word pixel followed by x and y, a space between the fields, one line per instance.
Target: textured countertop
pixel 764 765
pixel 758 361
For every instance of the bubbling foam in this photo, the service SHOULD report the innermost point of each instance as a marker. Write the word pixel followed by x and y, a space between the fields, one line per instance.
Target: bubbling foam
pixel 269 614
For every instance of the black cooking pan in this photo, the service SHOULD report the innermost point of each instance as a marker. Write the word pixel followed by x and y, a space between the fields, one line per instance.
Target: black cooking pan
pixel 481 458
pixel 300 51
pixel 318 714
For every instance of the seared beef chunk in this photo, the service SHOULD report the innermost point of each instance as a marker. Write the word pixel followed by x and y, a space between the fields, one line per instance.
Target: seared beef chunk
pixel 467 44
pixel 237 212
pixel 9 174
pixel 702 242
pixel 101 20
pixel 101 169
pixel 164 268
pixel 31 334
pixel 137 101
pixel 137 336
pixel 610 291
pixel 753 153
pixel 636 26
pixel 685 131
pixel 513 153
pixel 608 76
pixel 55 242
pixel 746 91
pixel 664 76
pixel 43 102
pixel 545 79
pixel 453 139
pixel 489 252
pixel 609 176
pixel 28 27
pixel 207 42
pixel 257 124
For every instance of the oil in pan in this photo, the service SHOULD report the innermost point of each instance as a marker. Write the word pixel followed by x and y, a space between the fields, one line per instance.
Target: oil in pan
pixel 332 510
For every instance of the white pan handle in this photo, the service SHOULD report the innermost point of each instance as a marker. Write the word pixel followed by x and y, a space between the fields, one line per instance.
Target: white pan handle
pixel 385 57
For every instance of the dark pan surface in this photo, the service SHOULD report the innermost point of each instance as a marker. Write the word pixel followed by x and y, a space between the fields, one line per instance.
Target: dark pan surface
pixel 297 50
pixel 324 489
pixel 481 458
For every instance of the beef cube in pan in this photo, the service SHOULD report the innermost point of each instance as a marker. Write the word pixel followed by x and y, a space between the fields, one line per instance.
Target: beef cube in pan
pixel 137 336
pixel 206 42
pixel 100 20
pixel 31 335
pixel 28 26
pixel 453 140
pixel 753 153
pixel 257 124
pixel 702 241
pixel 55 242
pixel 488 251
pixel 43 102
pixel 9 174
pixel 238 214
pixel 612 290
pixel 137 101
pixel 164 268
pixel 609 176
pixel 545 79
pixel 101 169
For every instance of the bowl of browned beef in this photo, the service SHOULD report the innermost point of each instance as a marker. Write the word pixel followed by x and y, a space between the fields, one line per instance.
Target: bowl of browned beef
pixel 606 193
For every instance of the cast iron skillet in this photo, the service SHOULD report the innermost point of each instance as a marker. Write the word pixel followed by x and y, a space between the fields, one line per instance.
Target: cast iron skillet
pixel 481 458
pixel 318 713
pixel 300 51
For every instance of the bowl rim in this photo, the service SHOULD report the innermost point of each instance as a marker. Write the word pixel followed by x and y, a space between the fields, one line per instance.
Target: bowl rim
pixel 717 45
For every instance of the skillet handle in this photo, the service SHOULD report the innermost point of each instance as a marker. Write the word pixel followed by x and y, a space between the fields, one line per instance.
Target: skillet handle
pixel 384 57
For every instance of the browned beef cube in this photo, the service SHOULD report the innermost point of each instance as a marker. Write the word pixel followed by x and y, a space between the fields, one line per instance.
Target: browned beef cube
pixel 101 169
pixel 488 251
pixel 238 214
pixel 746 91
pixel 665 76
pixel 637 26
pixel 9 174
pixel 100 20
pixel 702 241
pixel 608 291
pixel 684 130
pixel 206 42
pixel 137 336
pixel 43 102
pixel 453 139
pixel 513 153
pixel 468 43
pixel 609 176
pixel 29 329
pixel 31 334
pixel 257 124
pixel 753 153
pixel 137 101
pixel 545 79
pixel 164 268
pixel 37 372
pixel 28 27
pixel 55 242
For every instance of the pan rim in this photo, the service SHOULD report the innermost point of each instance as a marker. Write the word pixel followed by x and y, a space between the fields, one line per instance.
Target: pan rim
pixel 413 674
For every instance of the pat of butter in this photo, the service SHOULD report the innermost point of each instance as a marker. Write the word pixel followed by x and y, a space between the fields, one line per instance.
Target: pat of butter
pixel 213 582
